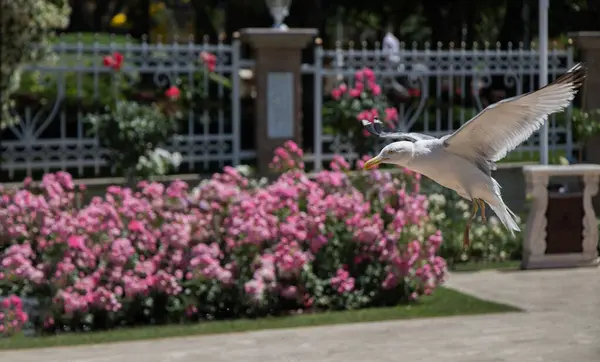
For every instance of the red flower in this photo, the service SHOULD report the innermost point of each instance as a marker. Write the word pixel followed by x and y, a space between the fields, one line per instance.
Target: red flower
pixel 369 75
pixel 210 60
pixel 369 115
pixel 414 92
pixel 336 94
pixel 114 61
pixel 359 76
pixel 173 92
pixel 118 57
pixel 375 88
pixel 391 114
pixel 374 113
pixel 364 115
pixel 355 92
pixel 108 61
pixel 308 301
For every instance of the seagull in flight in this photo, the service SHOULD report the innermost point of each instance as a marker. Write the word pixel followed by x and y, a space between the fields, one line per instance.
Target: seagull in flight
pixel 463 161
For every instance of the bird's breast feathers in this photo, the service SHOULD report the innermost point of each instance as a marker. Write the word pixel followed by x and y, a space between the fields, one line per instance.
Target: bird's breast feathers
pixel 447 169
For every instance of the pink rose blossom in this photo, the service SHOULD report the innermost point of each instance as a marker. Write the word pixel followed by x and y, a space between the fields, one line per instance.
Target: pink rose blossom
pixel 355 92
pixel 391 114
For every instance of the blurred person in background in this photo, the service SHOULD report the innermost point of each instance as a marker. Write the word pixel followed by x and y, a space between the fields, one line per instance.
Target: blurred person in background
pixel 391 50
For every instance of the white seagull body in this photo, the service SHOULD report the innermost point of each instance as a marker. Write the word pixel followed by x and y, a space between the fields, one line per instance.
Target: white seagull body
pixel 463 160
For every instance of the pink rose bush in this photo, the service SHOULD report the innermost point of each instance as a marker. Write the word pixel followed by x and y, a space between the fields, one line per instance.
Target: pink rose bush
pixel 12 316
pixel 361 99
pixel 225 249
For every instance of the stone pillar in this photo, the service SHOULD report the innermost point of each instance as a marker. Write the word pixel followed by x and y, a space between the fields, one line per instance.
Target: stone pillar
pixel 589 44
pixel 278 104
pixel 535 253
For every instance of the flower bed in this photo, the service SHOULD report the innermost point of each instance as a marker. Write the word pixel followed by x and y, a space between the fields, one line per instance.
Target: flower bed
pixel 230 248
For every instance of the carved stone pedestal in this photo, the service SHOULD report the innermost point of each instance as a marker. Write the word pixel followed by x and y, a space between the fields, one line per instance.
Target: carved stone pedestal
pixel 583 247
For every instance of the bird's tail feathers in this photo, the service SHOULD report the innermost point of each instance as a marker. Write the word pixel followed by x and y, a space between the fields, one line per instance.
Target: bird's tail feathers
pixel 506 216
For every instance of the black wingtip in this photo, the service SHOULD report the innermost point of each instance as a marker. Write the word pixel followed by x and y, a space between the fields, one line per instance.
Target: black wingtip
pixel 378 126
pixel 374 127
pixel 369 127
pixel 366 122
pixel 574 76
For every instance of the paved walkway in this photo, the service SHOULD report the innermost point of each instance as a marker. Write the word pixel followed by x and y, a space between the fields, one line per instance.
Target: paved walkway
pixel 561 324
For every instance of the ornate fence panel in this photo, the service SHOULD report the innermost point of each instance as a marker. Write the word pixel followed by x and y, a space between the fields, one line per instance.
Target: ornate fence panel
pixel 56 96
pixel 437 90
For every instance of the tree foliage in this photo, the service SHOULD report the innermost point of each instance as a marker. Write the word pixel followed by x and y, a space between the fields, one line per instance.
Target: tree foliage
pixel 25 28
pixel 426 20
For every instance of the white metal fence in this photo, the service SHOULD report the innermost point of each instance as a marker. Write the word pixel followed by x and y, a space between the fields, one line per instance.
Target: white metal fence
pixel 57 95
pixel 53 135
pixel 451 86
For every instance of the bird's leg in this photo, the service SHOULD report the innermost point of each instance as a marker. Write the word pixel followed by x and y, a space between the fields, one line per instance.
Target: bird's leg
pixel 466 240
pixel 482 207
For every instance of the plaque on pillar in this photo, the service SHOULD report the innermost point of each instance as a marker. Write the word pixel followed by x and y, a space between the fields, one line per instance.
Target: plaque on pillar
pixel 562 229
pixel 280 105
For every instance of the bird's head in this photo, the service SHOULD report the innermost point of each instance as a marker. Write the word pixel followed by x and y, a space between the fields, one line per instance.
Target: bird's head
pixel 398 153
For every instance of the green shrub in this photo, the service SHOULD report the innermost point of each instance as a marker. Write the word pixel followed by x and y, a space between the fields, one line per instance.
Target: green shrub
pixel 131 132
pixel 28 24
pixel 489 242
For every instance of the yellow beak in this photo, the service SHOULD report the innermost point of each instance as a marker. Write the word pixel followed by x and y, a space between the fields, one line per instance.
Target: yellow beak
pixel 373 162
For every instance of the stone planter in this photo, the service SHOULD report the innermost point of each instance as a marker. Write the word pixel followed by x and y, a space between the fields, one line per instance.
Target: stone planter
pixel 561 229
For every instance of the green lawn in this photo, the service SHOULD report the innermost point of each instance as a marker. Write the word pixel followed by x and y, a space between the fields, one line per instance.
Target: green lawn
pixel 444 302
pixel 71 58
pixel 526 156
pixel 476 266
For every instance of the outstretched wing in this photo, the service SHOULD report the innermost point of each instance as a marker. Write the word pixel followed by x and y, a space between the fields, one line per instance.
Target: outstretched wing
pixel 376 128
pixel 503 126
